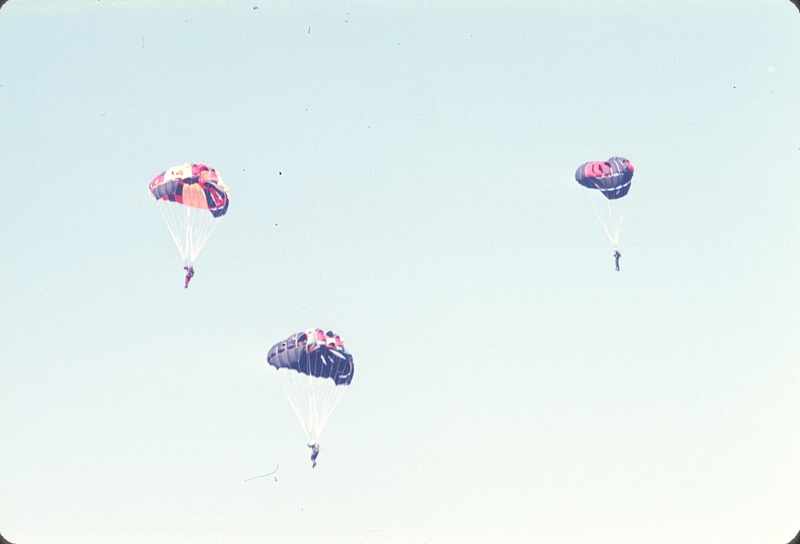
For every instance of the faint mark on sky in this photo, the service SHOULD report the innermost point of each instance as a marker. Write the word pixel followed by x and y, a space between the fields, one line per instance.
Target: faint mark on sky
pixel 263 475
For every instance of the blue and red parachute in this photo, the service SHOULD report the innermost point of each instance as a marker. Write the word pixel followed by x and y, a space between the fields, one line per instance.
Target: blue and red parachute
pixel 612 177
pixel 612 180
pixel 316 354
pixel 193 199
pixel 194 185
pixel 315 369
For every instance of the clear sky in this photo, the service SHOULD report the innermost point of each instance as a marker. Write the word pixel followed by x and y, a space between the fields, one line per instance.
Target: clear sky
pixel 402 173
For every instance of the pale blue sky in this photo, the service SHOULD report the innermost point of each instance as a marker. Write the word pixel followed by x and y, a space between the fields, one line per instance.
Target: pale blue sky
pixel 402 173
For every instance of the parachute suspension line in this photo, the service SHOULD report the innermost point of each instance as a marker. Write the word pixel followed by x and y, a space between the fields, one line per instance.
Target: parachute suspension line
pixel 314 413
pixel 312 399
pixel 313 416
pixel 292 387
pixel 189 236
pixel 615 223
pixel 327 401
pixel 610 221
pixel 190 227
pixel 324 395
pixel 332 402
pixel 187 242
pixel 610 225
pixel 199 228
pixel 173 224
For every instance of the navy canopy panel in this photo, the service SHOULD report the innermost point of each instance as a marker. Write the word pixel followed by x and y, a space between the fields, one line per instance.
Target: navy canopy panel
pixel 314 353
pixel 612 177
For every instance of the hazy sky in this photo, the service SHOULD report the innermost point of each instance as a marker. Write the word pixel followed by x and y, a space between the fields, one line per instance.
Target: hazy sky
pixel 403 174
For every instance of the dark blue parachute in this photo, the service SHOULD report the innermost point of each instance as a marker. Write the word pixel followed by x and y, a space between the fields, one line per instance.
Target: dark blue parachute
pixel 612 177
pixel 314 353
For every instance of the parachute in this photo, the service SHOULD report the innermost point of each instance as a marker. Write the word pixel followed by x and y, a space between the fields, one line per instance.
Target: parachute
pixel 314 368
pixel 612 177
pixel 192 199
pixel 612 180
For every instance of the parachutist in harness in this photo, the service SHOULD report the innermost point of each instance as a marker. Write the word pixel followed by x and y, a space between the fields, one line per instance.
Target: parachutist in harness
pixel 314 453
pixel 189 275
pixel 617 255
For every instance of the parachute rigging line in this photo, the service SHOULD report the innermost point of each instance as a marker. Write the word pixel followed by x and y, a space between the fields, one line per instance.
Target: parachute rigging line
pixel 190 227
pixel 608 225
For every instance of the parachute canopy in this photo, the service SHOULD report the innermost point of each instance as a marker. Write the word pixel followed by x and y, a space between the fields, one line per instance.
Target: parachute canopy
pixel 612 177
pixel 192 199
pixel 314 368
pixel 193 185
pixel 314 353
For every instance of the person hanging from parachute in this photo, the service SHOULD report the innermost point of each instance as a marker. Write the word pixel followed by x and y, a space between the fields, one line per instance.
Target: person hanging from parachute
pixel 315 369
pixel 612 178
pixel 314 454
pixel 189 275
pixel 193 199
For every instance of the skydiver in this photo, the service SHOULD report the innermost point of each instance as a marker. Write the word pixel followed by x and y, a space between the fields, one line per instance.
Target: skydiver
pixel 617 255
pixel 189 275
pixel 314 453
